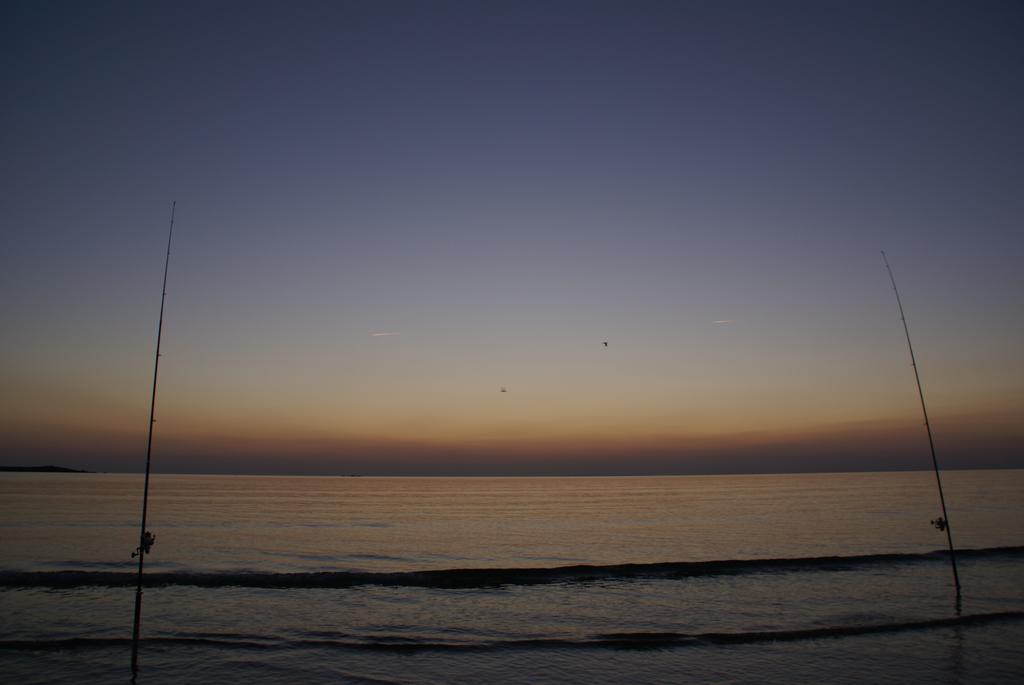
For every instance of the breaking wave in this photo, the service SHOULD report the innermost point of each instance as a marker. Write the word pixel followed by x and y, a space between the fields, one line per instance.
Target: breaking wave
pixel 482 577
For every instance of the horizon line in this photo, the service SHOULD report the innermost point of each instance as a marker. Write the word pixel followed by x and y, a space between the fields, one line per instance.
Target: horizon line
pixel 41 469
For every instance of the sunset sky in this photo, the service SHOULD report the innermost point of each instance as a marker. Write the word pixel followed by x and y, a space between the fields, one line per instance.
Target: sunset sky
pixel 501 188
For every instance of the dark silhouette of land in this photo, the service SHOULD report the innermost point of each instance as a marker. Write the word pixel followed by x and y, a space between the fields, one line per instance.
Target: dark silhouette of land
pixel 42 469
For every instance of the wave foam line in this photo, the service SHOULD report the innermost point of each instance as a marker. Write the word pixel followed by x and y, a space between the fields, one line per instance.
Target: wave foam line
pixel 606 641
pixel 479 577
pixel 634 640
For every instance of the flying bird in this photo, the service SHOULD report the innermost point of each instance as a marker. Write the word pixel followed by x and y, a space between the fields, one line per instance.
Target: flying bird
pixel 503 389
pixel 606 343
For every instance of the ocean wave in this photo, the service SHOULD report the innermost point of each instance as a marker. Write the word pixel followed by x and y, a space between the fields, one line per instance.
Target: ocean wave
pixel 483 577
pixel 635 640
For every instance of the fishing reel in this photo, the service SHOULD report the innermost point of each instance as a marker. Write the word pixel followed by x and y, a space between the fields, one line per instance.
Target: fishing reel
pixel 940 523
pixel 147 543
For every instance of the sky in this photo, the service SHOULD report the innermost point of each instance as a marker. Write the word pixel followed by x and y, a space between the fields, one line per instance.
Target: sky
pixel 404 231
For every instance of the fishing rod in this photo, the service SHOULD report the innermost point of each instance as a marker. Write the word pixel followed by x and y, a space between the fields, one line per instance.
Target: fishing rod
pixel 941 523
pixel 146 538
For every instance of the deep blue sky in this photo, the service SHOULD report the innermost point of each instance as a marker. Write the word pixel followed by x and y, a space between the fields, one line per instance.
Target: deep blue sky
pixel 505 186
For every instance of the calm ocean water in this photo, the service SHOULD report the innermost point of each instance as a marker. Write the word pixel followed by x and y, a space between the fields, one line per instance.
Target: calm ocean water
pixel 731 579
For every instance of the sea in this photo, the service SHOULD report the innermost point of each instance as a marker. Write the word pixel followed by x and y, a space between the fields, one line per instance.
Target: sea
pixel 825 578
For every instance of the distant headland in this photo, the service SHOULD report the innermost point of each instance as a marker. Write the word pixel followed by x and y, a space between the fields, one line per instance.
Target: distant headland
pixel 41 469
